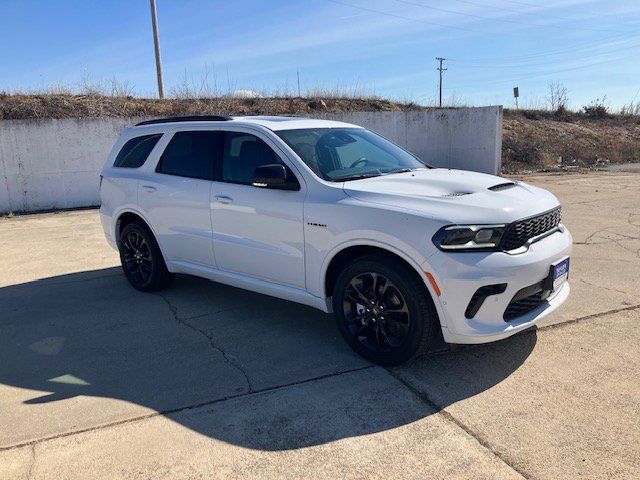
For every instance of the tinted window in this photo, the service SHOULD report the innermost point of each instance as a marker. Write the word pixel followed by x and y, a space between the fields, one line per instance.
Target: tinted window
pixel 134 153
pixel 192 154
pixel 242 154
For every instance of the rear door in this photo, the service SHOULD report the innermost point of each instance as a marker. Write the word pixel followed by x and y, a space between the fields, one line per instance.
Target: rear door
pixel 256 231
pixel 175 196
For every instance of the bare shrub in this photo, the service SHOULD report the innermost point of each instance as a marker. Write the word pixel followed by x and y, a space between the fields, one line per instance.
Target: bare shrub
pixel 89 86
pixel 204 86
pixel 557 96
pixel 597 108
pixel 121 89
pixel 533 103
pixel 455 100
pixel 630 110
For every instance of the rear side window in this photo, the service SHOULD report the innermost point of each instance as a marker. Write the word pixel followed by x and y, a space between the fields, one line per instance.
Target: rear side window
pixel 192 154
pixel 134 153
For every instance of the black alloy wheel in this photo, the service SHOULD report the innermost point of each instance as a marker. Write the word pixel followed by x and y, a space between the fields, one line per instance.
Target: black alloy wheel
pixel 376 312
pixel 141 259
pixel 138 261
pixel 384 310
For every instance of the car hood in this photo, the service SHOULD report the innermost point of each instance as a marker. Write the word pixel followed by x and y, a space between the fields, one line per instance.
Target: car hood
pixel 454 196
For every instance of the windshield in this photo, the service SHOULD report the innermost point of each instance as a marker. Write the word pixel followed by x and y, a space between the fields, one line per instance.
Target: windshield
pixel 341 154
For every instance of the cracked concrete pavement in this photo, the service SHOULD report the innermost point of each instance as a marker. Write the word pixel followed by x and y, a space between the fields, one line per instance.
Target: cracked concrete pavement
pixel 203 380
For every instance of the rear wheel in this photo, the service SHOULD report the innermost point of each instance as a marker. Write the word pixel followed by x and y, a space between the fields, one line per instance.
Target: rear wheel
pixel 383 310
pixel 141 259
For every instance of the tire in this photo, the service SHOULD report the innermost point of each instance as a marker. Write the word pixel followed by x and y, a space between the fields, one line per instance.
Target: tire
pixel 400 324
pixel 141 259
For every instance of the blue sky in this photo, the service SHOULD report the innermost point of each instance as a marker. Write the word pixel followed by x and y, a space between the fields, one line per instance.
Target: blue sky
pixel 386 47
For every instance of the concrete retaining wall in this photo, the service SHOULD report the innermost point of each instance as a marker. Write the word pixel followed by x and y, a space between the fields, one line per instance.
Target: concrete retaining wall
pixel 49 164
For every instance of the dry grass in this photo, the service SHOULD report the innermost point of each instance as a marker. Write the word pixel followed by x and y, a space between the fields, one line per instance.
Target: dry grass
pixel 19 106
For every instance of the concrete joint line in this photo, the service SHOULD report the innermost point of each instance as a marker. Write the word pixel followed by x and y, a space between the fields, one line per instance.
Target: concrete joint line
pixel 33 462
pixel 451 419
pixel 140 418
pixel 590 317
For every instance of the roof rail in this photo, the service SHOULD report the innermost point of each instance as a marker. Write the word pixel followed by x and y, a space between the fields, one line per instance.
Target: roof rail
pixel 187 118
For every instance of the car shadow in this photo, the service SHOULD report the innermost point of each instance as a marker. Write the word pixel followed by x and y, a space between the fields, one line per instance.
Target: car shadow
pixel 240 367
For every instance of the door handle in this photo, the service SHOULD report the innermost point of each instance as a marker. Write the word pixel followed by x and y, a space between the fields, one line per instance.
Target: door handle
pixel 149 188
pixel 224 199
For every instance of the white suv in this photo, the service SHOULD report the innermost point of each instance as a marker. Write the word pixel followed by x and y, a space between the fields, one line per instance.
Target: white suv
pixel 333 216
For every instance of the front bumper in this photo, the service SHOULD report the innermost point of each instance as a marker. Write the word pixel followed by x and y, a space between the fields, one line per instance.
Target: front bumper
pixel 460 275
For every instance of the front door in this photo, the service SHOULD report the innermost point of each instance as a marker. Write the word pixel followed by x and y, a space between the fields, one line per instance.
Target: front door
pixel 256 231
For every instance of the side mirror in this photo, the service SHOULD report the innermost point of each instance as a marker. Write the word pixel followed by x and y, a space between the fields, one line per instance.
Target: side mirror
pixel 274 176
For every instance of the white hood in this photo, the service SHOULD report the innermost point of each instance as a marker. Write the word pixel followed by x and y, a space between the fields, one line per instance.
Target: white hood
pixel 454 196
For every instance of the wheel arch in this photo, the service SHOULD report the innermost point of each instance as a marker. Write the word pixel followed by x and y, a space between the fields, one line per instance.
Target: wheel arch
pixel 129 216
pixel 345 254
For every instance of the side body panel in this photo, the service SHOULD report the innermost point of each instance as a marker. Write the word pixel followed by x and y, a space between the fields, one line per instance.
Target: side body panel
pixel 178 209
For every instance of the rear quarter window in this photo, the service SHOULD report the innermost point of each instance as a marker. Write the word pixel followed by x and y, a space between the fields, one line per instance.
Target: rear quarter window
pixel 134 153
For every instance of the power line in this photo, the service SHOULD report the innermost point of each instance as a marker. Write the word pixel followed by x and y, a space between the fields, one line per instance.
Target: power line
pixel 538 75
pixel 536 64
pixel 513 10
pixel 576 48
pixel 520 57
pixel 418 20
pixel 494 19
pixel 495 7
pixel 524 4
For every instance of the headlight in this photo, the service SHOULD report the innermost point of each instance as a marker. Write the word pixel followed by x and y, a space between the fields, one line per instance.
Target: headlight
pixel 468 237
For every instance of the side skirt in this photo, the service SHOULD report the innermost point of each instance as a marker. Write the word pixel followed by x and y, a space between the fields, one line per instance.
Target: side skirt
pixel 252 284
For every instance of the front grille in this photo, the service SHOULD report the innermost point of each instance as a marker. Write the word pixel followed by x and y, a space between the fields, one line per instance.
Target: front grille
pixel 519 232
pixel 517 308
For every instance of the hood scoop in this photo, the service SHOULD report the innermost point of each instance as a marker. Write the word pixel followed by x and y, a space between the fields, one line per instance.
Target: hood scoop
pixel 502 186
pixel 456 194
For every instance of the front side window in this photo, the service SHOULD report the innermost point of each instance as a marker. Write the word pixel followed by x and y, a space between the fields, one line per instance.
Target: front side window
pixel 134 153
pixel 192 154
pixel 244 152
pixel 340 154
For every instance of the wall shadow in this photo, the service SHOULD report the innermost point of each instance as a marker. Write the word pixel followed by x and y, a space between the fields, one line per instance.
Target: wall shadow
pixel 203 344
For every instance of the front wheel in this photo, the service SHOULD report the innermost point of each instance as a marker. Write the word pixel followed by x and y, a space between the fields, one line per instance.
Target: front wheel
pixel 383 310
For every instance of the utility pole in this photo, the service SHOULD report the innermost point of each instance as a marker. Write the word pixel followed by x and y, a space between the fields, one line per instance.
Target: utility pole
pixel 298 72
pixel 440 69
pixel 156 42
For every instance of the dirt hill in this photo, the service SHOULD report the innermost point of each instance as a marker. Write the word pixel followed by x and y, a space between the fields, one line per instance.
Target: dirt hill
pixel 532 140
pixel 535 140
